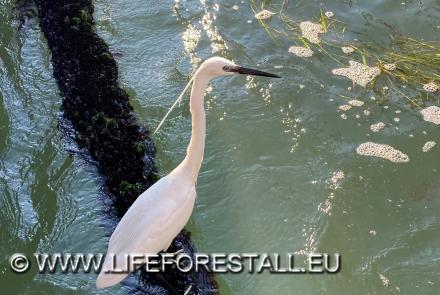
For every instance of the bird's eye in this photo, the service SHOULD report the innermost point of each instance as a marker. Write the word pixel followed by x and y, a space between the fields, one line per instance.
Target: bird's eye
pixel 226 68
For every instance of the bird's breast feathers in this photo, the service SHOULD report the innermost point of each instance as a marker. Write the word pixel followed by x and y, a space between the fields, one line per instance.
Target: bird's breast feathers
pixel 154 219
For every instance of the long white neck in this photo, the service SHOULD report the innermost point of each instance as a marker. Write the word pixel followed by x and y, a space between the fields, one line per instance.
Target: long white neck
pixel 196 147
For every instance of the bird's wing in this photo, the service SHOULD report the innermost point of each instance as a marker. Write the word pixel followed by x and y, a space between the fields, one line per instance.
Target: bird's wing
pixel 152 214
pixel 150 224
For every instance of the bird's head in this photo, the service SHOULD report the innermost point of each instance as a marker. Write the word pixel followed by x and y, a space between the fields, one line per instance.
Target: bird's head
pixel 215 67
pixel 219 66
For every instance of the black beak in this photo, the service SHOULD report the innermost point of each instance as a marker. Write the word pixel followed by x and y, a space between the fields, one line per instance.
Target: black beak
pixel 247 71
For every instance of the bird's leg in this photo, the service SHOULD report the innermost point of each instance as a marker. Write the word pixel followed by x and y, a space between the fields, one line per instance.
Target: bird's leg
pixel 188 290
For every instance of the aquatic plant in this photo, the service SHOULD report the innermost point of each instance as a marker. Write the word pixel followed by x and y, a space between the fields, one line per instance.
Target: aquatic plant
pixel 406 60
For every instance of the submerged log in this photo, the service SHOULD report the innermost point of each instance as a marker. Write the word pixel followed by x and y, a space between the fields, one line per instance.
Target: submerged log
pixel 105 126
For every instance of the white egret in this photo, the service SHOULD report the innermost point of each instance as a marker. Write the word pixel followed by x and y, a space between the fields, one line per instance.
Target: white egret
pixel 162 211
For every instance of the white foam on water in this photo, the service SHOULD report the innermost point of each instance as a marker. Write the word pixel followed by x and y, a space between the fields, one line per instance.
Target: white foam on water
pixel 311 31
pixel 345 107
pixel 356 103
pixel 301 51
pixel 383 151
pixel 377 126
pixel 431 87
pixel 385 280
pixel 428 146
pixel 390 67
pixel 358 73
pixel 329 14
pixel 347 49
pixel 264 14
pixel 431 114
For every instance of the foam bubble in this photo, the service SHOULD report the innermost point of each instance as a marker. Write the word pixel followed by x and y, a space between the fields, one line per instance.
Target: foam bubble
pixel 431 114
pixel 428 146
pixel 264 14
pixel 385 280
pixel 372 232
pixel 311 30
pixel 344 116
pixel 383 151
pixel 347 49
pixel 345 107
pixel 329 14
pixel 301 51
pixel 356 103
pixel 358 73
pixel 431 87
pixel 377 127
pixel 390 67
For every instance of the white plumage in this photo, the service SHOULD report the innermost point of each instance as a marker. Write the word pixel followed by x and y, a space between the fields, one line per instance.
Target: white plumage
pixel 151 223
pixel 162 211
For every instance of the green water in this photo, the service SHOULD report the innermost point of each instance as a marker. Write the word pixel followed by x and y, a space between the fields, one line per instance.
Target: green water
pixel 272 147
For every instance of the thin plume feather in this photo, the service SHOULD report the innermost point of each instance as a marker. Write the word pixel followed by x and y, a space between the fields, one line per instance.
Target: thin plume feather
pixel 178 101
